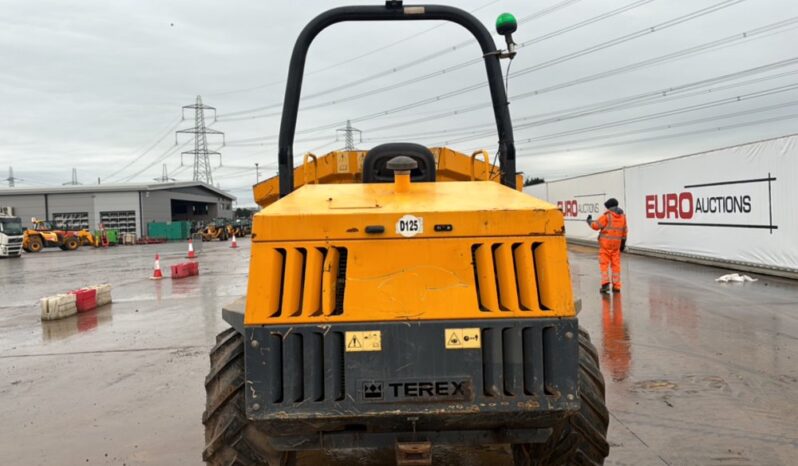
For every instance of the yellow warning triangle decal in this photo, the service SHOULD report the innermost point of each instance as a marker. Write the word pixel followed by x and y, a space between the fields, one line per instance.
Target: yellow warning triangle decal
pixel 354 343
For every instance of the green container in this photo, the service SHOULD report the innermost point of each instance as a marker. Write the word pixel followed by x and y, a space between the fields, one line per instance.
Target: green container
pixel 172 231
pixel 178 231
pixel 113 236
pixel 157 230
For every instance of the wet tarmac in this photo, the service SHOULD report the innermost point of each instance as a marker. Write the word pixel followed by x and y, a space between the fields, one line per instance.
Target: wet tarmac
pixel 698 373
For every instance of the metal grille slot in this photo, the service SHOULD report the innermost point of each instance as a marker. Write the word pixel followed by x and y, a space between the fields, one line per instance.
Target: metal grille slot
pixel 306 282
pixel 292 282
pixel 513 361
pixel 340 282
pixel 492 362
pixel 314 367
pixel 334 373
pixel 533 361
pixel 305 366
pixel 507 277
pixel 293 362
pixel 274 365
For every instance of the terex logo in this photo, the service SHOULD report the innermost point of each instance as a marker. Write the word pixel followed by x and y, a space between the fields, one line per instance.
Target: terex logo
pixel 416 390
pixel 731 204
pixel 428 389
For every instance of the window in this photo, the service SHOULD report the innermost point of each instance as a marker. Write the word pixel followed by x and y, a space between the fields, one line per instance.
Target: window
pixel 122 220
pixel 71 220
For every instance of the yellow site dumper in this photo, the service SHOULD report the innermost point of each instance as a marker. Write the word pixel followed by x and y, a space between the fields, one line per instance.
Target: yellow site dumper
pixel 402 298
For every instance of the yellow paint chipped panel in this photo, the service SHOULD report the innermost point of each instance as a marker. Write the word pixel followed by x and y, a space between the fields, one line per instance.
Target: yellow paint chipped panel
pixel 347 166
pixel 407 279
pixel 343 211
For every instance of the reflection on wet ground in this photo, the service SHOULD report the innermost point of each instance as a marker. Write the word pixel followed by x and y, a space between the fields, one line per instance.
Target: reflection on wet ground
pixel 698 373
pixel 616 353
pixel 55 330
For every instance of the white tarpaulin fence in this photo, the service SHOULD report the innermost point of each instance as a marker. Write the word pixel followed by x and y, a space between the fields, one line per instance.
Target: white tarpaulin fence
pixel 734 205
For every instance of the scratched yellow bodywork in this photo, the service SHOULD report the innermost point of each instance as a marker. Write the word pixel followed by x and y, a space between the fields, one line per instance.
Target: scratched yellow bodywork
pixel 347 167
pixel 504 256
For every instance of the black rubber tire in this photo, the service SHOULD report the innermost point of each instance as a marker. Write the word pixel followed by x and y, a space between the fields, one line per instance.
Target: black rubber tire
pixel 71 244
pixel 230 438
pixel 34 244
pixel 582 438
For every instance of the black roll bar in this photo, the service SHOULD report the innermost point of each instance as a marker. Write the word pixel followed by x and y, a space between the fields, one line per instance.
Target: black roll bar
pixel 393 11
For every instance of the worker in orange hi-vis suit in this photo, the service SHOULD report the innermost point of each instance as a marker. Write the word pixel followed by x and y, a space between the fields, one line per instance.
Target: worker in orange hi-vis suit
pixel 612 240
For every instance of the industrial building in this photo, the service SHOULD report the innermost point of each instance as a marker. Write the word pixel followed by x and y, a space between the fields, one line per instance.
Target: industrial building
pixel 125 207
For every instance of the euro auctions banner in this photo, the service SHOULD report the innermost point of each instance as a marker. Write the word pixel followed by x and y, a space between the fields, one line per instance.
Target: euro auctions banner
pixel 736 204
pixel 585 195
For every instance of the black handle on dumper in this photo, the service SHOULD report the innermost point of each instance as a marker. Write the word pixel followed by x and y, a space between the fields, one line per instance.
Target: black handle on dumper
pixel 394 11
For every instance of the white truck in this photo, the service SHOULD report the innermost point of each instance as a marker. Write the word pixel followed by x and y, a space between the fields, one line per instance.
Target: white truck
pixel 11 233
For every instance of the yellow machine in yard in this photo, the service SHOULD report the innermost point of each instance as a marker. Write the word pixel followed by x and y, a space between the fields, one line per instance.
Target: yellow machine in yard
pixel 44 235
pixel 216 230
pixel 403 298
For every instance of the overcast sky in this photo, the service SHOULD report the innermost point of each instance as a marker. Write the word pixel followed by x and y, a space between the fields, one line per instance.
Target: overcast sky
pixel 99 85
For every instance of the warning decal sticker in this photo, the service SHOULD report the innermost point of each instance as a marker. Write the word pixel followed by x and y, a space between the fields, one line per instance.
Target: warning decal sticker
pixel 369 340
pixel 462 338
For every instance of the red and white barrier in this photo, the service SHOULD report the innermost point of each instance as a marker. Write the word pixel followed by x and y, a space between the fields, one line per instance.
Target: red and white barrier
pixel 85 299
pixel 58 306
pixel 70 303
pixel 185 269
pixel 103 294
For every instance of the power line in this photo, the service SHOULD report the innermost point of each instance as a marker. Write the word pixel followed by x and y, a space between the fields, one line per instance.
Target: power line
pixel 726 41
pixel 159 159
pixel 667 113
pixel 632 36
pixel 668 136
pixel 417 79
pixel 690 51
pixel 555 61
pixel 640 100
pixel 643 102
pixel 373 51
pixel 152 146
pixel 654 97
pixel 663 127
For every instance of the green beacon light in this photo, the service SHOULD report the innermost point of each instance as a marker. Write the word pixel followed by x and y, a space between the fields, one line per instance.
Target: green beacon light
pixel 506 25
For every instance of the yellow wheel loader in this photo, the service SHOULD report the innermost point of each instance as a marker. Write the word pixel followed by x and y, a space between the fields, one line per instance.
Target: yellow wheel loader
pixel 402 298
pixel 216 230
pixel 44 235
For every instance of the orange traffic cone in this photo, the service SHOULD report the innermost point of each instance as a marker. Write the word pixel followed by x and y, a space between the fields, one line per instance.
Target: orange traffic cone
pixel 191 254
pixel 156 271
pixel 234 244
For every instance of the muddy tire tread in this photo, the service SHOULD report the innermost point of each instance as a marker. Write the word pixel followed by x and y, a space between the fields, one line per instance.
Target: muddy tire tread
pixel 582 438
pixel 230 438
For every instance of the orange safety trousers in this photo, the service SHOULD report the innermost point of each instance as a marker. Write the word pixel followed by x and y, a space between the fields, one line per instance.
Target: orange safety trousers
pixel 610 258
